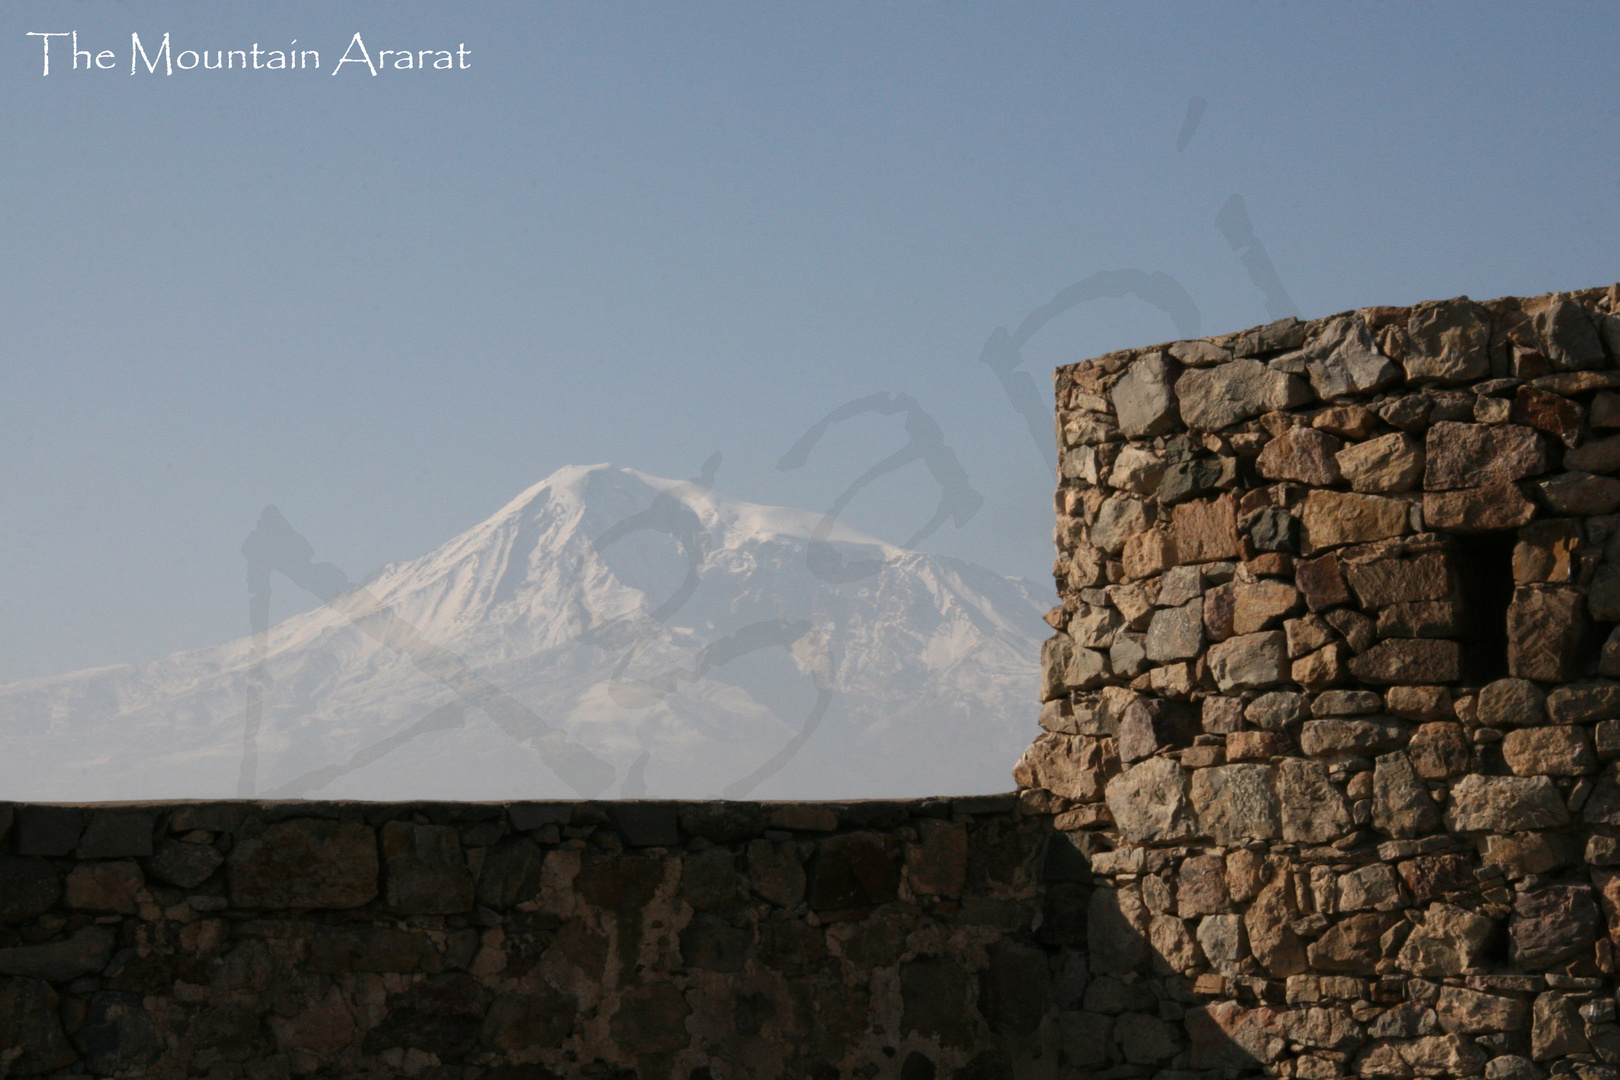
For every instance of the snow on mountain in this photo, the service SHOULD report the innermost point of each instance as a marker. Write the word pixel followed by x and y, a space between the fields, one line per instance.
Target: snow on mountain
pixel 604 634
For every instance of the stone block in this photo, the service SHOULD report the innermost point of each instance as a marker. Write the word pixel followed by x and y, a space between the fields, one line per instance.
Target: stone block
pixel 1321 582
pixel 1476 510
pixel 104 886
pixel 1580 494
pixel 1411 661
pixel 427 873
pixel 1560 750
pixel 1449 941
pixel 855 870
pixel 1237 804
pixel 1205 530
pixel 1312 810
pixel 1213 398
pixel 1546 625
pixel 1335 518
pixel 1479 455
pixel 28 887
pixel 1303 455
pixel 1383 466
pixel 1402 806
pixel 1250 661
pixel 1382 580
pixel 1344 359
pixel 1145 398
pixel 1150 805
pixel 1551 925
pixel 305 863
pixel 183 863
pixel 48 830
pixel 117 834
pixel 1448 342
pixel 1261 605
pixel 1070 766
pixel 1503 804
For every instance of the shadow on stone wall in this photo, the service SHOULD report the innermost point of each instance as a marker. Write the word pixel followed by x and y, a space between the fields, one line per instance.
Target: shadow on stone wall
pixel 916 940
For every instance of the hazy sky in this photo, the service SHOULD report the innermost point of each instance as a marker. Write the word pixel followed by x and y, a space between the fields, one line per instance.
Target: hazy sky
pixel 643 234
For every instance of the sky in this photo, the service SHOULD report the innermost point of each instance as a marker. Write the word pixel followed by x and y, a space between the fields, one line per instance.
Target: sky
pixel 644 234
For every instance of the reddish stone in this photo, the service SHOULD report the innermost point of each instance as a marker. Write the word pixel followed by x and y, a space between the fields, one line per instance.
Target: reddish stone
pixel 1322 582
pixel 1205 530
pixel 1557 416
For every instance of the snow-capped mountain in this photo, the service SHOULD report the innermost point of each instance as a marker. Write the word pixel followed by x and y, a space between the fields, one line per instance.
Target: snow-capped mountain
pixel 605 634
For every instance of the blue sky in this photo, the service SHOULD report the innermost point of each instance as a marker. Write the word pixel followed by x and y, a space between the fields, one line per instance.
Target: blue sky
pixel 643 234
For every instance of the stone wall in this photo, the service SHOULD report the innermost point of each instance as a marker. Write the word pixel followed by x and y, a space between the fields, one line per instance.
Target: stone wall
pixel 1332 703
pixel 612 941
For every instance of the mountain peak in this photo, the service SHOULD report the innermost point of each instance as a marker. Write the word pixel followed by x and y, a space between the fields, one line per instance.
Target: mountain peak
pixel 632 617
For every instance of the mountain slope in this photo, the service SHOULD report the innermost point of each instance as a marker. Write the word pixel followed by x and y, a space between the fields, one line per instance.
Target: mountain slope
pixel 606 633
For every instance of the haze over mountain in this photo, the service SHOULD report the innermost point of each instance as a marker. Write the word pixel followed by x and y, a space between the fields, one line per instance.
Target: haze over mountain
pixel 604 634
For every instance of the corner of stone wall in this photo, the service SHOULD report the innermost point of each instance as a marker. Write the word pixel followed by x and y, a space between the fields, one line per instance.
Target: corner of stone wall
pixel 1330 710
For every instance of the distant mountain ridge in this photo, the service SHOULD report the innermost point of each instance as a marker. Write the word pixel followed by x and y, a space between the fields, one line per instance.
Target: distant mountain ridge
pixel 605 634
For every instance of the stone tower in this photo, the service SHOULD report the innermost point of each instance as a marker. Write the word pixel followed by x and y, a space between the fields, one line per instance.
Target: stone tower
pixel 1334 691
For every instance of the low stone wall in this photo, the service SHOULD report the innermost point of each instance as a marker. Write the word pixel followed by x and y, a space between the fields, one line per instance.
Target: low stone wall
pixel 699 941
pixel 1333 701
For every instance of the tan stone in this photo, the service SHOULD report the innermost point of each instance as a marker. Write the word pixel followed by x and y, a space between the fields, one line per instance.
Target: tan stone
pixel 1545 626
pixel 1440 750
pixel 1333 518
pixel 1301 454
pixel 1313 810
pixel 1385 465
pixel 1321 669
pixel 1260 605
pixel 1205 530
pixel 1148 554
pixel 1478 455
pixel 1476 510
pixel 1418 660
pixel 1249 661
pixel 1560 750
pixel 1268 922
pixel 1071 766
pixel 1237 803
pixel 1380 581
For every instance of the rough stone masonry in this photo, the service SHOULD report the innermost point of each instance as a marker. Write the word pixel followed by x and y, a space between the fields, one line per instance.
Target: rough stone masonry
pixel 1333 702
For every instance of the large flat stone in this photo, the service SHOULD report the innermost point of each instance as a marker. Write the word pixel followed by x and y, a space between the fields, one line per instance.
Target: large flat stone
pixel 1477 510
pixel 1313 811
pixel 1503 804
pixel 1304 455
pixel 1413 662
pixel 305 863
pixel 1150 804
pixel 1334 518
pixel 1344 359
pixel 1401 803
pixel 1546 625
pixel 1580 494
pixel 1477 455
pixel 1237 803
pixel 1145 398
pixel 1385 580
pixel 1250 661
pixel 427 873
pixel 1385 465
pixel 1561 750
pixel 1070 766
pixel 1218 397
pixel 1205 530
pixel 1448 342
